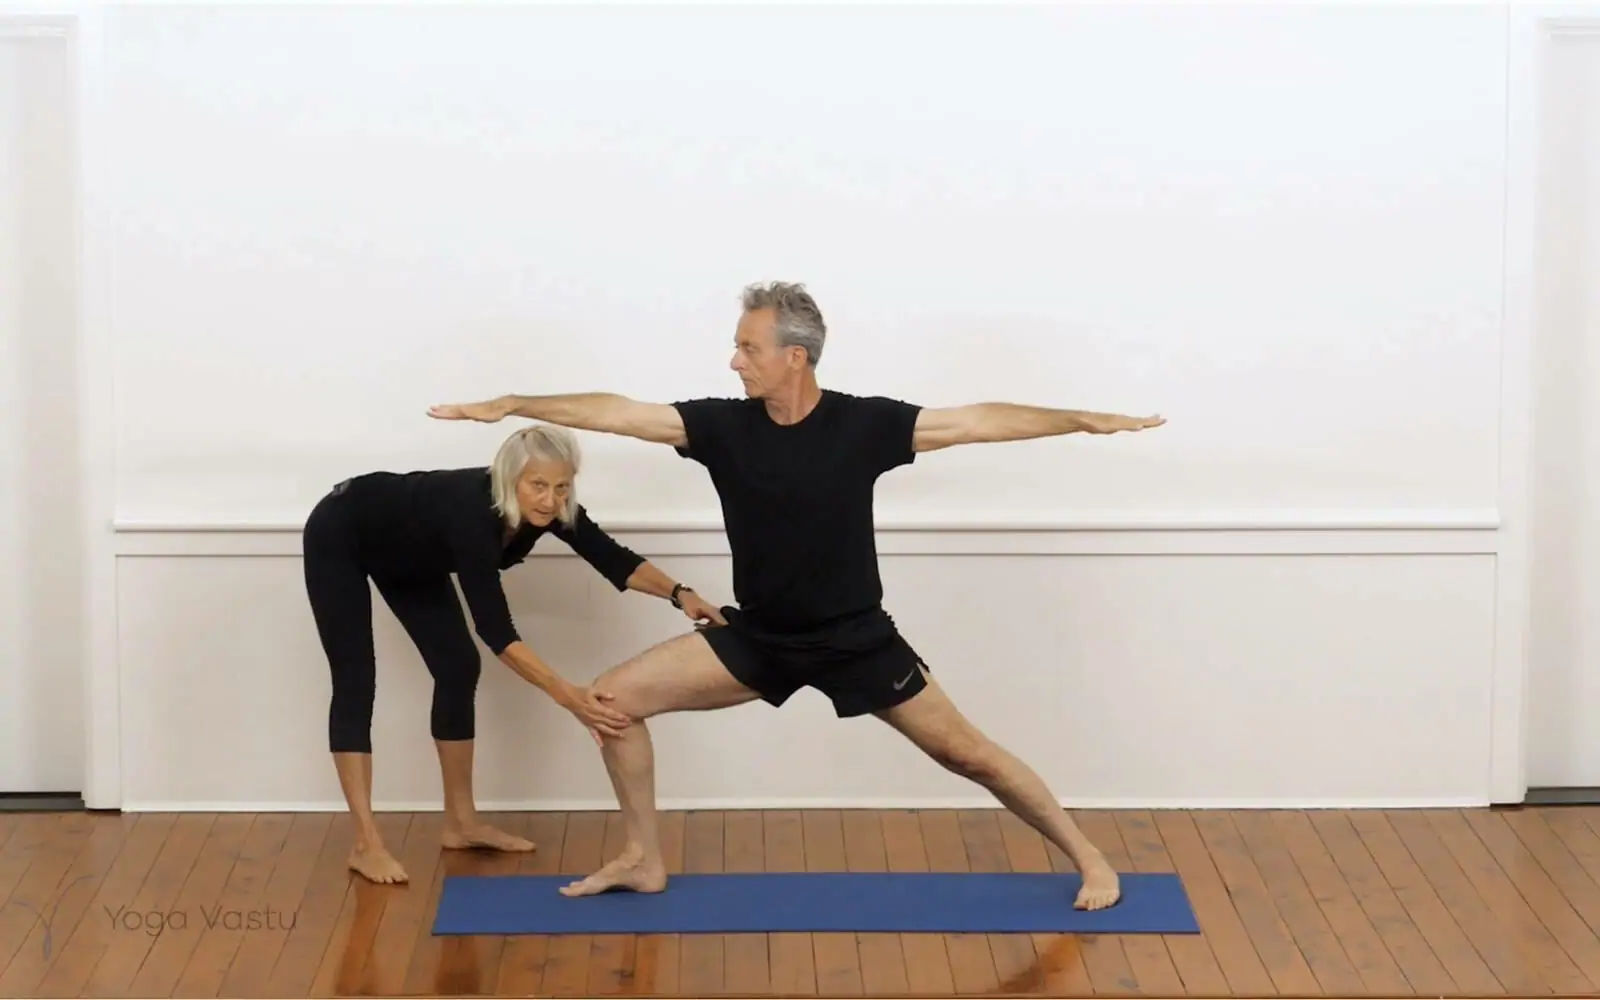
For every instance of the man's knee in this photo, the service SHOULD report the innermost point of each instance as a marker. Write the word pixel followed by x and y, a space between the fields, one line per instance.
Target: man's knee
pixel 626 687
pixel 967 753
pixel 945 735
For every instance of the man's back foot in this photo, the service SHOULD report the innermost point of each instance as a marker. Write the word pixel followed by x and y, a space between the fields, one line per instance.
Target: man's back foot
pixel 1101 887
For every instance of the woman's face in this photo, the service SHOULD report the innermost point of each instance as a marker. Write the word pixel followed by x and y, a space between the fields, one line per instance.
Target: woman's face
pixel 542 489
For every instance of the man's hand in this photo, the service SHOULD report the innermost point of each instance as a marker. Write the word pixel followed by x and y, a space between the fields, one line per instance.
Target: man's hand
pixel 489 411
pixel 699 610
pixel 1111 423
pixel 587 705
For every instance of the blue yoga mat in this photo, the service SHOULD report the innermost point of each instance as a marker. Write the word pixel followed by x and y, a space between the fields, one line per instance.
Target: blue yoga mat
pixel 815 902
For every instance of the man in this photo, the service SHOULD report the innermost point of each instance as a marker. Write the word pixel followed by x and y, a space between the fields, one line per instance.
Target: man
pixel 794 466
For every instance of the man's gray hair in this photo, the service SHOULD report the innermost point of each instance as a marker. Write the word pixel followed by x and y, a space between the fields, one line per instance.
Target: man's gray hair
pixel 539 443
pixel 799 320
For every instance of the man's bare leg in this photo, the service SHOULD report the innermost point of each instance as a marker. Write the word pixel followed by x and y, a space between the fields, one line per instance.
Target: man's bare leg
pixel 631 763
pixel 679 675
pixel 932 722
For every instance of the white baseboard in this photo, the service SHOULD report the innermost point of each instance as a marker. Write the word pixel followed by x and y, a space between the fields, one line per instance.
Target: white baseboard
pixel 744 805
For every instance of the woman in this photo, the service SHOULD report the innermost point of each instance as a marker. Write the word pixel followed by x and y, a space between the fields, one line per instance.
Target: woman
pixel 408 533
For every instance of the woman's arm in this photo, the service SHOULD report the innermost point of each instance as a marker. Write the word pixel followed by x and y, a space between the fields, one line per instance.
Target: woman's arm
pixel 649 579
pixel 585 703
pixel 627 570
pixel 491 616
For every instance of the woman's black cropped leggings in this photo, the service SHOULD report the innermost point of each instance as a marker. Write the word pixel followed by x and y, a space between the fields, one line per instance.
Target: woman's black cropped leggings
pixel 341 604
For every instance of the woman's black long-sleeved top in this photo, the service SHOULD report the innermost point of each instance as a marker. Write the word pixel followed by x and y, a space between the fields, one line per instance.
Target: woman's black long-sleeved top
pixel 424 525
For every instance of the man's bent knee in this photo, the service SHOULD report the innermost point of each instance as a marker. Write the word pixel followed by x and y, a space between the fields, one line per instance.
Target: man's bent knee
pixel 622 688
pixel 681 674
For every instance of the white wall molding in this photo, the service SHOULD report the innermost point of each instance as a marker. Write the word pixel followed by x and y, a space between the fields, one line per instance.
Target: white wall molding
pixel 39 20
pixel 80 24
pixel 23 30
pixel 1531 29
pixel 1270 519
pixel 1286 532
pixel 102 783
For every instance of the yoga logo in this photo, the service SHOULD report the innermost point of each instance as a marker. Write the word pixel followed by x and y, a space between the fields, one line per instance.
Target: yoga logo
pixel 45 919
pixel 157 922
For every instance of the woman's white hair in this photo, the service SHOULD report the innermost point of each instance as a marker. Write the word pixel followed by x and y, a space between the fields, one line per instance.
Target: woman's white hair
pixel 539 443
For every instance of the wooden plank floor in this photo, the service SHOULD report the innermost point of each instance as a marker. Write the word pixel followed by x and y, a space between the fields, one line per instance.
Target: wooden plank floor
pixel 1391 903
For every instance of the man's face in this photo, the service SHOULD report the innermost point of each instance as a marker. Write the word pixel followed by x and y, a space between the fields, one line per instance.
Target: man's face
pixel 761 364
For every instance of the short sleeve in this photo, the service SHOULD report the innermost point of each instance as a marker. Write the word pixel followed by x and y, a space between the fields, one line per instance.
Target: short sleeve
pixel 886 432
pixel 705 424
pixel 610 558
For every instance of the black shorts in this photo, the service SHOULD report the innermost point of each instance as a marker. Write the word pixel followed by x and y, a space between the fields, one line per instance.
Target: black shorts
pixel 861 670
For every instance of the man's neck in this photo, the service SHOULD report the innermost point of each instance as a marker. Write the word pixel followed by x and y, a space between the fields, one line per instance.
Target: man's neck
pixel 794 403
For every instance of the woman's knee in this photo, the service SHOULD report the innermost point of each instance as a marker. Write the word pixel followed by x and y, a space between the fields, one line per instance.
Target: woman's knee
pixel 455 698
pixel 350 718
pixel 456 677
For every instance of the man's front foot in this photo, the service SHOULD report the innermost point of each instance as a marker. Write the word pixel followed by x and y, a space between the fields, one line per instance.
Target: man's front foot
pixel 628 873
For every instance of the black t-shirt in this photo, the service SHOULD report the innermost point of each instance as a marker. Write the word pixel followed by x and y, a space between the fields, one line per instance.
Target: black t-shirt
pixel 797 505
pixel 424 525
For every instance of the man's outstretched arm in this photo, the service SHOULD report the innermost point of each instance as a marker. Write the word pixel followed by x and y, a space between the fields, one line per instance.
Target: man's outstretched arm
pixel 587 411
pixel 983 423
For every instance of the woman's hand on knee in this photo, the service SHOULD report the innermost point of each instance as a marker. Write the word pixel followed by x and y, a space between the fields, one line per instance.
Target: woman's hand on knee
pixel 592 708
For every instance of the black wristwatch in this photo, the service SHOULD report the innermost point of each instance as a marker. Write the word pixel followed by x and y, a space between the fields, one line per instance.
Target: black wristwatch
pixel 677 589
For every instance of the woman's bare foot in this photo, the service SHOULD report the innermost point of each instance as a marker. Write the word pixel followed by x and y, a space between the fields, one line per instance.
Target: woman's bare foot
pixel 628 872
pixel 1101 887
pixel 377 865
pixel 459 837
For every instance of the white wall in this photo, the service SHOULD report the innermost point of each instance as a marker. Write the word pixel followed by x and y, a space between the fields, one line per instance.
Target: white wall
pixel 1262 222
pixel 329 218
pixel 41 609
